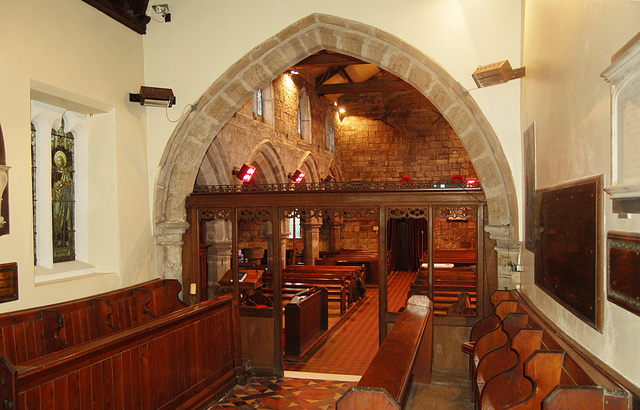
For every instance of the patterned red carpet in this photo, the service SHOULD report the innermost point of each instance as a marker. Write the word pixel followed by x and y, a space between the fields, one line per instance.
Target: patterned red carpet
pixel 352 347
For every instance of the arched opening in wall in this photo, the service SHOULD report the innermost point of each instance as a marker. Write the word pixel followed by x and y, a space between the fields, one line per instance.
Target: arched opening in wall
pixel 356 41
pixel 377 130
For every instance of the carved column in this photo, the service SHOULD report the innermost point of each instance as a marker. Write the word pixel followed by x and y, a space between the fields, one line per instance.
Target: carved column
pixel 311 240
pixel 335 241
pixel 218 260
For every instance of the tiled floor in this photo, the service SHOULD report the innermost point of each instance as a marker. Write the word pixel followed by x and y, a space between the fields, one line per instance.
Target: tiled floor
pixel 286 393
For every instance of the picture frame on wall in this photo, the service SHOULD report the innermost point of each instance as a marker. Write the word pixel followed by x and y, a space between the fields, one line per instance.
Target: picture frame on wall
pixel 529 165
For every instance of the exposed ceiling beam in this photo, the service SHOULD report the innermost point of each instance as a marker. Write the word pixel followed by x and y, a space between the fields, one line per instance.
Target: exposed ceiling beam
pixel 365 87
pixel 327 60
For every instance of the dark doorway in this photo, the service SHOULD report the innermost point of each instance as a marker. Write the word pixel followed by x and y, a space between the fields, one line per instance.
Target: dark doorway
pixel 407 241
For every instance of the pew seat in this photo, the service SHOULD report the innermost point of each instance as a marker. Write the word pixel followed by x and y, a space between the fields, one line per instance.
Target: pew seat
pixel 404 357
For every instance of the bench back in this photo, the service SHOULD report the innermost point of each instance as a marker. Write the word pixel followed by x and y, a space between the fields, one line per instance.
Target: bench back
pixel 22 336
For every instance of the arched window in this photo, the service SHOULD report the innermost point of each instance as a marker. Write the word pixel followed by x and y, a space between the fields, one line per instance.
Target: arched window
pixel 58 136
pixel 329 131
pixel 304 116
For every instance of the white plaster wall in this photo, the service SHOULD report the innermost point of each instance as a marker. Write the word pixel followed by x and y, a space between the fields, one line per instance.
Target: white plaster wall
pixel 205 38
pixel 80 55
pixel 567 45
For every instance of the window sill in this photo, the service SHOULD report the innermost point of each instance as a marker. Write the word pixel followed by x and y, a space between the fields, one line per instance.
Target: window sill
pixel 63 271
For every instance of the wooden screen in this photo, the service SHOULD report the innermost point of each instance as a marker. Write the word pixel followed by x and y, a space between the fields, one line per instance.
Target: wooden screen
pixel 567 246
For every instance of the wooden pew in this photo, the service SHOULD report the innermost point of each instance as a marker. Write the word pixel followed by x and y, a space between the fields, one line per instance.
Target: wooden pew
pixel 337 287
pixel 510 388
pixel 354 274
pixel 574 398
pixel 306 321
pixel 354 257
pixel 404 357
pixel 160 363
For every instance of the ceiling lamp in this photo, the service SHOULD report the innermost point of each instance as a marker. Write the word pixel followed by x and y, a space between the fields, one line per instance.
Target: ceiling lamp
pixel 297 176
pixel 245 173
pixel 154 97
pixel 496 73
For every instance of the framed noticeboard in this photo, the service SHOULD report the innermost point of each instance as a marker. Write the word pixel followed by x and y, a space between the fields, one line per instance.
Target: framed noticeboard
pixel 623 280
pixel 568 255
pixel 8 282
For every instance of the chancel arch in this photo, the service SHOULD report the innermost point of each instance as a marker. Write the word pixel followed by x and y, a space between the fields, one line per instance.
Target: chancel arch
pixel 195 133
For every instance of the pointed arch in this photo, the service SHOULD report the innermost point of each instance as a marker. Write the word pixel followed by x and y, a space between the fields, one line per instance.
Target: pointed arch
pixel 191 138
pixel 309 166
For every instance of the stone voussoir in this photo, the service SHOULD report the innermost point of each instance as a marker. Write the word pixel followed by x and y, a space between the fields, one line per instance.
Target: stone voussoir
pixel 296 27
pixel 276 62
pixel 350 42
pixel 421 79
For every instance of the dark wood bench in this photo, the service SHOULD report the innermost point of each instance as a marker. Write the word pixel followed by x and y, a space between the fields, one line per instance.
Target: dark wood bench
pixel 81 345
pixel 354 274
pixel 306 320
pixel 353 257
pixel 448 284
pixel 511 373
pixel 404 357
pixel 337 287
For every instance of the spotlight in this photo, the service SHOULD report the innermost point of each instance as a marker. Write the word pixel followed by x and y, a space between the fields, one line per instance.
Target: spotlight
pixel 154 97
pixel 245 173
pixel 297 176
pixel 471 183
pixel 342 112
pixel 294 72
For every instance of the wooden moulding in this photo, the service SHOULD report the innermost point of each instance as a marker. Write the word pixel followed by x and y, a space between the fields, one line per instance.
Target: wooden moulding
pixel 623 284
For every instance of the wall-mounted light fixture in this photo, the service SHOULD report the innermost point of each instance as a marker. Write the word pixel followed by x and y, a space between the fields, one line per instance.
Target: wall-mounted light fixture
pixel 472 183
pixel 245 173
pixel 163 10
pixel 154 97
pixel 342 112
pixel 496 73
pixel 297 176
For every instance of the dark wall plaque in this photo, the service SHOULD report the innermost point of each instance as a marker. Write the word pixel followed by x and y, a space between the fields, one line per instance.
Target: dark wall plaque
pixel 8 282
pixel 623 287
pixel 568 260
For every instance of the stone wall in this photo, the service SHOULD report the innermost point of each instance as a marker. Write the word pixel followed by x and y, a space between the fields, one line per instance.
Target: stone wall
pixel 460 235
pixel 387 136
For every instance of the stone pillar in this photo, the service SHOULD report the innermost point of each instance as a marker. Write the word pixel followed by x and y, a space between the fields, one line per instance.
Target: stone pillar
pixel 508 252
pixel 218 261
pixel 169 249
pixel 335 240
pixel 311 240
pixel 285 231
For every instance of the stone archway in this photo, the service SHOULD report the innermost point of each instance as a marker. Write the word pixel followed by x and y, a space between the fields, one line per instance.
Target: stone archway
pixel 191 138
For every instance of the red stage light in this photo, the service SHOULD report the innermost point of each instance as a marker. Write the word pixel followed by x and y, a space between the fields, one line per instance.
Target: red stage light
pixel 297 176
pixel 245 173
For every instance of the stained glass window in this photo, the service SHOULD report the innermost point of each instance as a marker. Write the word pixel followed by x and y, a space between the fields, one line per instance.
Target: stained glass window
pixel 62 195
pixel 33 189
